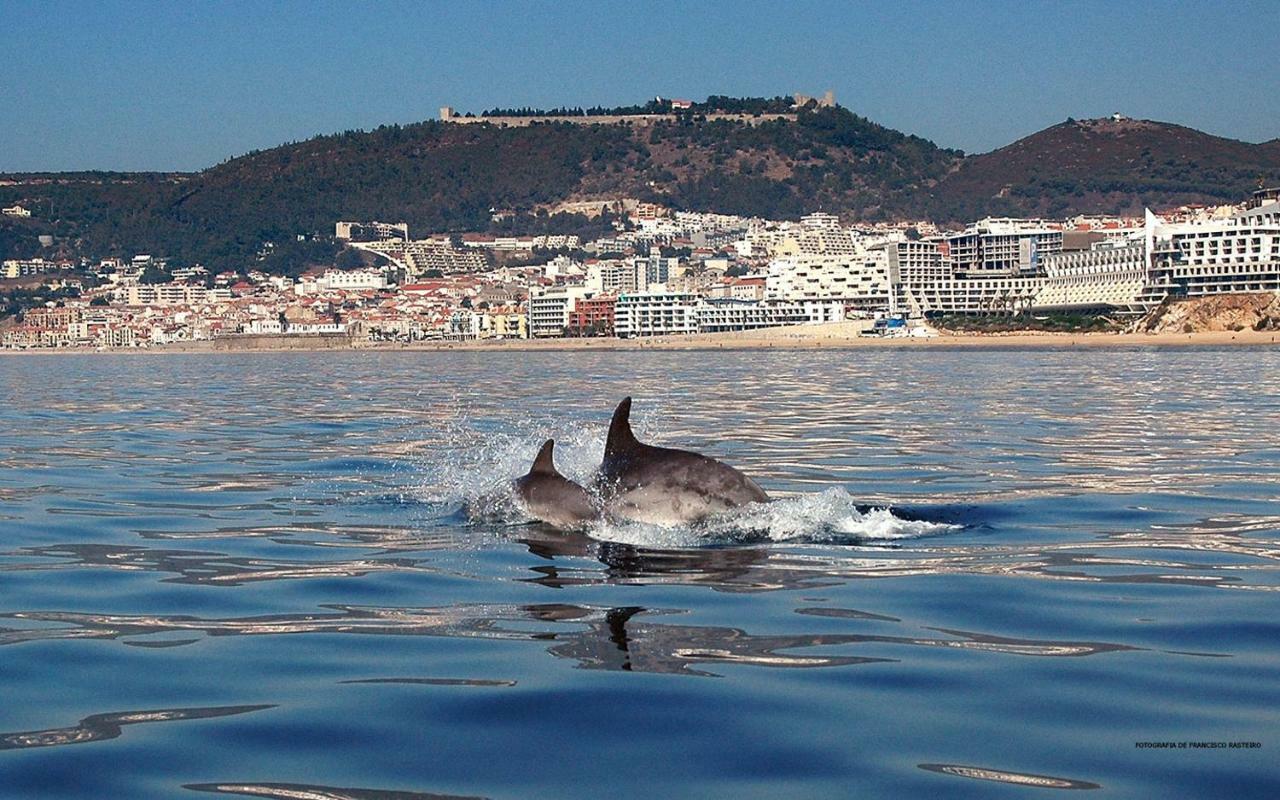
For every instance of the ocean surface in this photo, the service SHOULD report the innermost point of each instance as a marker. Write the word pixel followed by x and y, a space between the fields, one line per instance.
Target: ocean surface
pixel 987 573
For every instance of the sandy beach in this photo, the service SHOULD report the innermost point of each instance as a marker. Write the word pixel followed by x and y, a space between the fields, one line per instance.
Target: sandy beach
pixel 845 335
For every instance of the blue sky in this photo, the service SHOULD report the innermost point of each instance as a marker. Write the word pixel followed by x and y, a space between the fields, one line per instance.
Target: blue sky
pixel 184 85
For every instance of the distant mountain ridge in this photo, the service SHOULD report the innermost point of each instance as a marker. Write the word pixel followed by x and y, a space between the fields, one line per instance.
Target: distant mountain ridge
pixel 1112 166
pixel 439 176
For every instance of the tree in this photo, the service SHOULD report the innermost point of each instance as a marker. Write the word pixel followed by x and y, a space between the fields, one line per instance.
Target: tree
pixel 350 258
pixel 154 273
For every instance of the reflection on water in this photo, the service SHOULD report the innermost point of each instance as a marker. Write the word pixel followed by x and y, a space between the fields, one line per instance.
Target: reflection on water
pixel 1003 776
pixel 203 567
pixel 108 726
pixel 435 681
pixel 616 642
pixel 302 791
pixel 1083 548
pixel 1153 557
pixel 596 638
pixel 761 569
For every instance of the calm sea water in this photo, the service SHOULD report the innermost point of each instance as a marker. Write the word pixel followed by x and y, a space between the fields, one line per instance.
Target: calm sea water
pixel 254 575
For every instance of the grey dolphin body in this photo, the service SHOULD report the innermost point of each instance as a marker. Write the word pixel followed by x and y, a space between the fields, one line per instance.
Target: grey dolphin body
pixel 550 497
pixel 663 486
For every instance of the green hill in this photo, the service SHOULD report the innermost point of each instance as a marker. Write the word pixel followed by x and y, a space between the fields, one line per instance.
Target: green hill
pixel 1107 166
pixel 442 177
pixel 445 177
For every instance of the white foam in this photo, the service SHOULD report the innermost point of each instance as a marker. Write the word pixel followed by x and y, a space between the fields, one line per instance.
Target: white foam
pixel 828 516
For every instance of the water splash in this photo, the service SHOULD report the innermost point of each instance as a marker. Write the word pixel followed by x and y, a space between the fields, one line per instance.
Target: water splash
pixel 829 516
pixel 467 477
pixel 476 465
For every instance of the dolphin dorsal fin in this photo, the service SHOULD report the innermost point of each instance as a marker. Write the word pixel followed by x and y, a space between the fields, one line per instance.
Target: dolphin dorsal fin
pixel 543 463
pixel 621 439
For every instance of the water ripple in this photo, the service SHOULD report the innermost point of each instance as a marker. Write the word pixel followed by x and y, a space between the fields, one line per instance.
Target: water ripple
pixel 1080 547
pixel 1005 776
pixel 303 791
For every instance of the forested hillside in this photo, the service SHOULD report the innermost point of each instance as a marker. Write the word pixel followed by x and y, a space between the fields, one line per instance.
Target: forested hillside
pixel 443 177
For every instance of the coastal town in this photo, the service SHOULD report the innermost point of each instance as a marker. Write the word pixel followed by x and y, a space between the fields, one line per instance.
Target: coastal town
pixel 659 272
pixel 492 400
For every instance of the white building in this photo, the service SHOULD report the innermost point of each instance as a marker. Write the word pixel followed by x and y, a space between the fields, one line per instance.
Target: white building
pixel 371 231
pixel 24 267
pixel 353 280
pixel 561 266
pixel 994 247
pixel 728 314
pixel 1106 276
pixel 464 325
pixel 826 241
pixel 267 326
pixel 315 328
pixel 819 220
pixel 916 262
pixel 419 256
pixel 116 336
pixel 973 295
pixel 655 313
pixel 549 310
pixel 1239 254
pixel 170 294
pixel 616 276
pixel 859 281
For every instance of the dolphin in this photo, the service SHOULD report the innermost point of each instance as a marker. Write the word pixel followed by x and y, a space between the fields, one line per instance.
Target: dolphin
pixel 552 498
pixel 662 486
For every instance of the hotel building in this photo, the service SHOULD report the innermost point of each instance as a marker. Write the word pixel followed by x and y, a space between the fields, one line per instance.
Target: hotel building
pixel 655 313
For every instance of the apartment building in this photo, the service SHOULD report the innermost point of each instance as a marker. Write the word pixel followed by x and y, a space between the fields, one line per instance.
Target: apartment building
pixel 353 280
pixel 593 316
pixel 861 282
pixel 58 317
pixel 26 267
pixel 915 262
pixel 618 276
pixel 169 294
pixel 422 255
pixel 1238 254
pixel 1106 276
pixel 371 231
pixel 1000 247
pixel 973 296
pixel 717 315
pixel 615 276
pixel 655 313
pixel 550 308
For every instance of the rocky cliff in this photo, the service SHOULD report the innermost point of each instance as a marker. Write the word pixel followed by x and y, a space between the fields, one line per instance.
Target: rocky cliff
pixel 1227 312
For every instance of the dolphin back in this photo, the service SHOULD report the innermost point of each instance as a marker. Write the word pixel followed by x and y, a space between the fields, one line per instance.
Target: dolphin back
pixel 543 463
pixel 659 484
pixel 621 440
pixel 551 497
